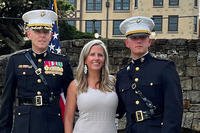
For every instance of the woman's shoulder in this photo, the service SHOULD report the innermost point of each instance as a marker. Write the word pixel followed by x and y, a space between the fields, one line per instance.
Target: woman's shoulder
pixel 73 86
pixel 73 82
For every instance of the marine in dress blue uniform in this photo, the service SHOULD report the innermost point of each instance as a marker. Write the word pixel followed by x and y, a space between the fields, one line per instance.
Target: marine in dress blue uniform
pixel 148 88
pixel 37 105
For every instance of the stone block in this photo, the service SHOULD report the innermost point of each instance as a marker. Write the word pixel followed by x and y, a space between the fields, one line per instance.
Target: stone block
pixel 180 70
pixel 161 56
pixel 192 53
pixel 196 83
pixel 183 53
pixel 118 54
pixel 192 71
pixel 185 95
pixel 195 108
pixel 116 43
pixel 196 125
pixel 197 115
pixel 172 52
pixel 187 119
pixel 186 104
pixel 177 42
pixel 194 96
pixel 198 59
pixel 186 83
pixel 179 61
pixel 111 61
pixel 191 61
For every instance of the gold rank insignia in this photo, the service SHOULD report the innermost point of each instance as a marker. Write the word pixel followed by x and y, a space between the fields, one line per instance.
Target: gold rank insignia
pixel 53 67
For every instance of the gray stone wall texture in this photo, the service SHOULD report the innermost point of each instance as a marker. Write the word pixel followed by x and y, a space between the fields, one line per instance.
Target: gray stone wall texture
pixel 185 54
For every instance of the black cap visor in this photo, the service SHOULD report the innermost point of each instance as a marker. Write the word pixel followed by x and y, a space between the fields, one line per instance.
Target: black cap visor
pixel 43 30
pixel 138 35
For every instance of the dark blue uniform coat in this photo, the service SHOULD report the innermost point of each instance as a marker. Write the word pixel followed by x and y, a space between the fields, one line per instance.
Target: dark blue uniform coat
pixel 22 82
pixel 159 82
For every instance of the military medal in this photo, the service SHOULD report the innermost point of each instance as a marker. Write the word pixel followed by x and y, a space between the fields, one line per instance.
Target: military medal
pixel 53 67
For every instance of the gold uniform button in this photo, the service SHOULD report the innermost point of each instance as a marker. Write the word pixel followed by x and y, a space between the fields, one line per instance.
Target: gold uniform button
pixel 39 60
pixel 137 69
pixel 151 84
pixel 136 79
pixel 137 102
pixel 24 73
pixel 19 113
pixel 39 93
pixel 39 80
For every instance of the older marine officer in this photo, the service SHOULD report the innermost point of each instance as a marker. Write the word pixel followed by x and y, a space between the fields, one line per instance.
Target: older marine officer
pixel 148 88
pixel 34 79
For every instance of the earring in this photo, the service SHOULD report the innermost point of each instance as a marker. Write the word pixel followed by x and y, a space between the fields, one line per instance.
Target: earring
pixel 85 69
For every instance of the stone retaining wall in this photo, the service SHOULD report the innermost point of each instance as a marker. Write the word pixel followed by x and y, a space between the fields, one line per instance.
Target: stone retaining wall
pixel 185 53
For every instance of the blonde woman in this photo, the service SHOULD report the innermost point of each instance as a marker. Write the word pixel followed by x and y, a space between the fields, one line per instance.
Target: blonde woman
pixel 92 92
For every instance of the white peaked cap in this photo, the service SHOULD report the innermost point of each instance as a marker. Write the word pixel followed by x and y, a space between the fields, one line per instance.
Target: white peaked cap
pixel 137 25
pixel 40 18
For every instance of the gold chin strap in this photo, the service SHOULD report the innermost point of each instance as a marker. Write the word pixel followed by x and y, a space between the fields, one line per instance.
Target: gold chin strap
pixel 40 27
pixel 138 31
pixel 39 24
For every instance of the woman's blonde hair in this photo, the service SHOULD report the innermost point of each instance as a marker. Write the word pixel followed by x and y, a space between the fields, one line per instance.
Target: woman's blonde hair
pixel 106 82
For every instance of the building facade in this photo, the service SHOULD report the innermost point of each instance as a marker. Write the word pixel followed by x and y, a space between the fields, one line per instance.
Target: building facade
pixel 173 18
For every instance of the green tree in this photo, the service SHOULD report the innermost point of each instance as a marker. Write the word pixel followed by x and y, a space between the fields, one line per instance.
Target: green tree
pixel 68 32
pixel 11 24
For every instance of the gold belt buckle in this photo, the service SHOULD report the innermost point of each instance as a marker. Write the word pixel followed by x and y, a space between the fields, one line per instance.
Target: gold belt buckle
pixel 139 115
pixel 38 101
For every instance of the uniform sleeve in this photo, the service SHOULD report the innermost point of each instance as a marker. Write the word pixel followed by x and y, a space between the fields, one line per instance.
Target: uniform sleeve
pixel 173 106
pixel 7 98
pixel 68 75
pixel 120 107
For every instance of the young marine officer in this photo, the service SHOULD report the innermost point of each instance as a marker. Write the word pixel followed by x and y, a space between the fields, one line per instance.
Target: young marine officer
pixel 148 88
pixel 34 79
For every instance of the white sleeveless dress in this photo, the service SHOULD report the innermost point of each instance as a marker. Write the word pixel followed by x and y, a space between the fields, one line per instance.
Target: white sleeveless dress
pixel 97 111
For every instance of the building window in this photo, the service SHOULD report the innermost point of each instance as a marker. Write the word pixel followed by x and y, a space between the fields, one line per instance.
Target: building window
pixel 93 5
pixel 173 2
pixel 157 2
pixel 136 4
pixel 121 4
pixel 195 24
pixel 71 22
pixel 93 26
pixel 158 23
pixel 116 24
pixel 72 2
pixel 195 3
pixel 173 23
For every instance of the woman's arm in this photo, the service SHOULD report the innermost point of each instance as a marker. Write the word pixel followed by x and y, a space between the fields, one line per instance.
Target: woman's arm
pixel 70 107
